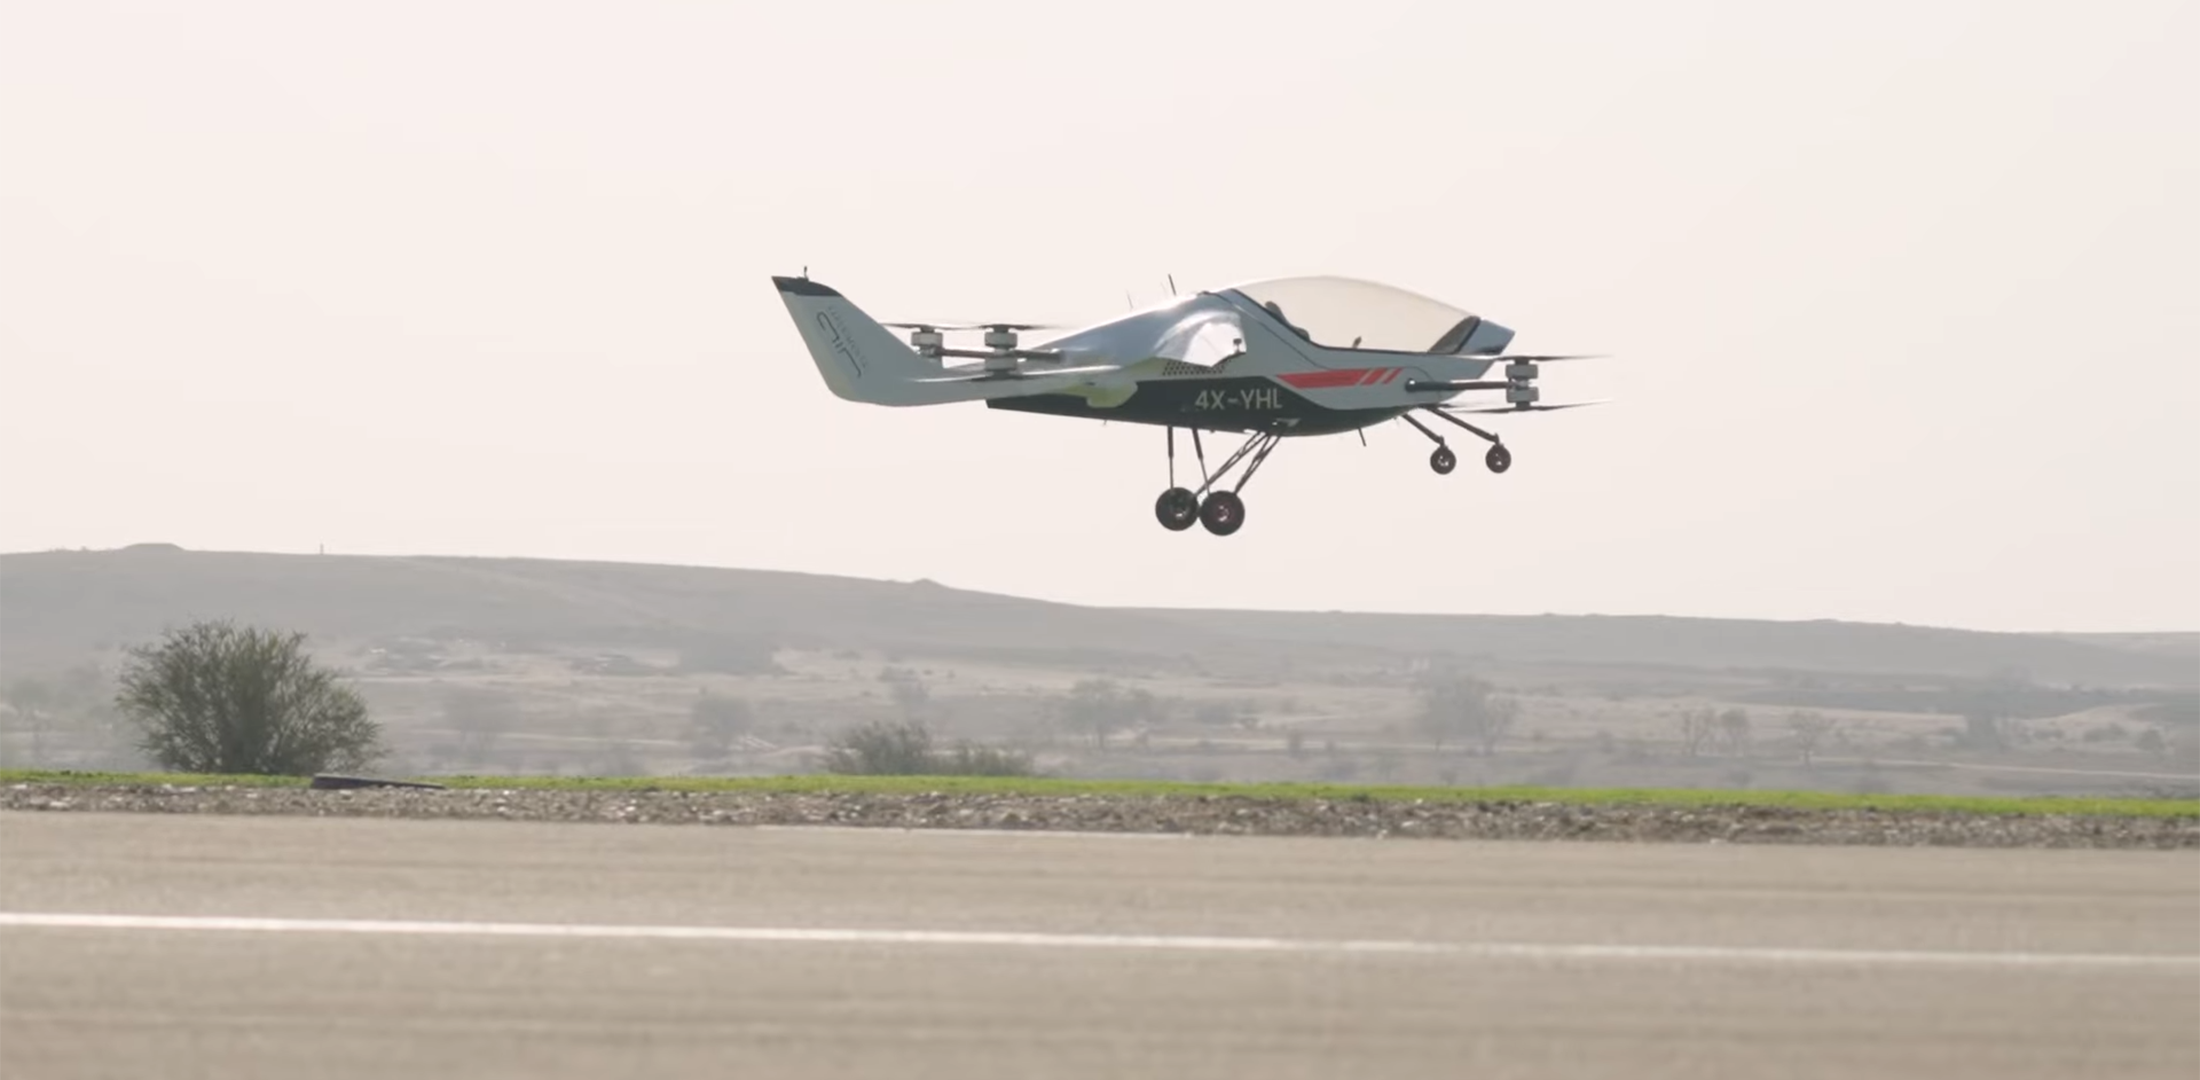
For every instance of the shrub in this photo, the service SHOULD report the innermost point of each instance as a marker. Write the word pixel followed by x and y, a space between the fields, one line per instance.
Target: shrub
pixel 905 748
pixel 215 697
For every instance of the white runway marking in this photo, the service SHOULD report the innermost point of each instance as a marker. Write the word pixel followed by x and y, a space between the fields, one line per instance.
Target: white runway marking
pixel 931 832
pixel 1010 939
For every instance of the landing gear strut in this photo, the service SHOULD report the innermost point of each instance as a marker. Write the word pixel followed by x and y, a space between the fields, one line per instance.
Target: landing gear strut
pixel 1443 460
pixel 1222 512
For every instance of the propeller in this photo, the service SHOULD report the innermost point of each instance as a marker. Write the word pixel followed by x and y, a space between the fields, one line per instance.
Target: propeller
pixel 975 326
pixel 930 340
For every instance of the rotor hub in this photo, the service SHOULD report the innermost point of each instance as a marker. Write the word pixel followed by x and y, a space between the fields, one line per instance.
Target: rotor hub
pixel 1520 390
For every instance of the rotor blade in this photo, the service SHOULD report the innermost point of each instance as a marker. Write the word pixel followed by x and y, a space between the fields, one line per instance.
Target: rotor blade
pixel 1521 408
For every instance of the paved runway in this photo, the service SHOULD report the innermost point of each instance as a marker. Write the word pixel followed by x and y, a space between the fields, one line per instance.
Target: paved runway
pixel 265 947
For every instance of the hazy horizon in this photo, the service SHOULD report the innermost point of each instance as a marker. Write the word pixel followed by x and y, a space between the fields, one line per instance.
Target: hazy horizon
pixel 1102 604
pixel 1888 291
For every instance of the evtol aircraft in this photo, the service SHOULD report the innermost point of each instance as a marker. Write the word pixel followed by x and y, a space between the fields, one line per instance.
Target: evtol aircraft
pixel 1273 359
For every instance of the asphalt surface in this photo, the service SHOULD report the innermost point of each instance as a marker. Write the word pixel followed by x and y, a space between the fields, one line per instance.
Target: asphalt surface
pixel 244 947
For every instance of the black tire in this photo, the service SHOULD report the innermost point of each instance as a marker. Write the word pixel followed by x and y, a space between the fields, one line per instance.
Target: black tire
pixel 1176 509
pixel 1443 461
pixel 1222 513
pixel 1498 459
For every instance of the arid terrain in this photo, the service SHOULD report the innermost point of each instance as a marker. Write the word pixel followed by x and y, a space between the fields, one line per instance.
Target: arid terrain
pixel 539 667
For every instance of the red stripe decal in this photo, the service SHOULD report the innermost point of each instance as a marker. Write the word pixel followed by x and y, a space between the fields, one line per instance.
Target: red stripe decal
pixel 1324 380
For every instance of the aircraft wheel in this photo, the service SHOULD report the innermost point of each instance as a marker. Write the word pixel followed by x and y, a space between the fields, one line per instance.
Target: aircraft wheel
pixel 1443 460
pixel 1222 513
pixel 1176 509
pixel 1498 459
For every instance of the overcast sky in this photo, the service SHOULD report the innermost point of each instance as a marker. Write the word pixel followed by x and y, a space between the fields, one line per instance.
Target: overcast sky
pixel 1899 293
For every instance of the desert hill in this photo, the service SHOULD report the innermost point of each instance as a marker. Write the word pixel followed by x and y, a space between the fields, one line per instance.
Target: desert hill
pixel 1818 646
pixel 61 606
pixel 2184 645
pixel 542 666
pixel 55 604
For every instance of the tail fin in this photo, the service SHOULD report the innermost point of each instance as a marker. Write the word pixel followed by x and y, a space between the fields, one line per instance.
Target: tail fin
pixel 860 360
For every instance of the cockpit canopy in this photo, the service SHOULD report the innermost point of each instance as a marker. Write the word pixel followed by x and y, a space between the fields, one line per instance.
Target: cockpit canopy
pixel 1347 313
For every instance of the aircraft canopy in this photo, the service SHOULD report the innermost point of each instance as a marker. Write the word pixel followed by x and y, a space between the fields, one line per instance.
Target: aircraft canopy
pixel 1345 313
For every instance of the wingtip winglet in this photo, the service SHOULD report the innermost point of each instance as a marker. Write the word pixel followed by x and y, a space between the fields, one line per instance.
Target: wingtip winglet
pixel 802 286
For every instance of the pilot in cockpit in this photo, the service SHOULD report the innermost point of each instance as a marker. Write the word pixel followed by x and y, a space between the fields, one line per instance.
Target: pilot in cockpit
pixel 1277 311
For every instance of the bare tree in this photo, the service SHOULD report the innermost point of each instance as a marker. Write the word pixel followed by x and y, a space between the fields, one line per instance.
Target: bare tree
pixel 1463 708
pixel 1101 707
pixel 1734 731
pixel 1499 715
pixel 32 699
pixel 1810 730
pixel 1697 727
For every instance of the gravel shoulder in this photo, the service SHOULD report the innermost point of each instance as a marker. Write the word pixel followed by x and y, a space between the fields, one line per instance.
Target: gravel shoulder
pixel 1194 814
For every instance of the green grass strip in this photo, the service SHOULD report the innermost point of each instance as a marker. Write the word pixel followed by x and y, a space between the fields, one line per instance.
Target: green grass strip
pixel 824 784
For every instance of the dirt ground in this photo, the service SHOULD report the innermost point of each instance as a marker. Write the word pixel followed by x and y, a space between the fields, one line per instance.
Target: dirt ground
pixel 479 711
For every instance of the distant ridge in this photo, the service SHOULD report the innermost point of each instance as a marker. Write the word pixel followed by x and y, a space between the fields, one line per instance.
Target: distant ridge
pixel 58 606
pixel 1817 645
pixel 77 601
